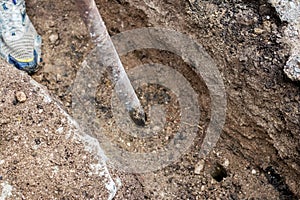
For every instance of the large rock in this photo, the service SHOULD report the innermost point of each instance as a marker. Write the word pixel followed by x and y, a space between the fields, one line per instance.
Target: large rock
pixel 289 11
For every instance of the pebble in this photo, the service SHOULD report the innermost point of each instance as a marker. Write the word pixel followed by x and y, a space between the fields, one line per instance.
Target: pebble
pixel 202 188
pixel 60 130
pixel 226 163
pixel 199 167
pixel 253 171
pixel 21 97
pixel 258 30
pixel 53 38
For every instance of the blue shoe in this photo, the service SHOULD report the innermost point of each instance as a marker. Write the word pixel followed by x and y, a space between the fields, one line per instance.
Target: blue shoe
pixel 20 44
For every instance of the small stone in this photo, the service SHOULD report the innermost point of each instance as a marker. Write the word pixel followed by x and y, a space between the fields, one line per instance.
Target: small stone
pixel 226 163
pixel 60 130
pixel 53 38
pixel 258 30
pixel 21 97
pixel 253 171
pixel 199 167
pixel 39 78
pixel 58 77
pixel 202 188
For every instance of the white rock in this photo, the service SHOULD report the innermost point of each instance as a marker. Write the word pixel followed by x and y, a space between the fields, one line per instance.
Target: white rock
pixel 53 38
pixel 199 167
pixel 21 96
pixel 226 163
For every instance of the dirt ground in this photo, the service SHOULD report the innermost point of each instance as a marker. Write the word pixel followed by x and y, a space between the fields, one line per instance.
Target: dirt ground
pixel 257 156
pixel 44 153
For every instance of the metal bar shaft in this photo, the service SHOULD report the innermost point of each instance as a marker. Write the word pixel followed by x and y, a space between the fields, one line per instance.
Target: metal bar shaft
pixel 110 58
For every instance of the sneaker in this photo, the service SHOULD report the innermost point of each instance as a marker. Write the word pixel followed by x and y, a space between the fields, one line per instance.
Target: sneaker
pixel 20 44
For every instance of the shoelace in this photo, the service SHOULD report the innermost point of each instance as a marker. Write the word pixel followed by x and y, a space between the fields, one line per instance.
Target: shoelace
pixel 13 20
